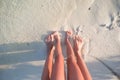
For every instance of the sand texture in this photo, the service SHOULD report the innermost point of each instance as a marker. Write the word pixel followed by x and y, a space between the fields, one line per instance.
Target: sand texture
pixel 25 23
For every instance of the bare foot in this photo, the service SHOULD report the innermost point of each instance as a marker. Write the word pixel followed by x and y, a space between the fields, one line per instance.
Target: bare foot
pixel 78 43
pixel 49 40
pixel 56 36
pixel 68 35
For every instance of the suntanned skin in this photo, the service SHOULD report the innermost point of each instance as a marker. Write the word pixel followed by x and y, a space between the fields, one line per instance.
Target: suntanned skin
pixel 46 75
pixel 74 73
pixel 78 42
pixel 58 67
pixel 76 68
pixel 54 71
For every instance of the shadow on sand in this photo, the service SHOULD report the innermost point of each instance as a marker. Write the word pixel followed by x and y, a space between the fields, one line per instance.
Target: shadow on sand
pixel 15 60
pixel 21 52
pixel 105 68
pixel 24 61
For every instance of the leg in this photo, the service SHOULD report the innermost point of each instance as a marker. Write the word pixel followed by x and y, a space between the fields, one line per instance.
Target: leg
pixel 74 72
pixel 58 67
pixel 46 75
pixel 82 66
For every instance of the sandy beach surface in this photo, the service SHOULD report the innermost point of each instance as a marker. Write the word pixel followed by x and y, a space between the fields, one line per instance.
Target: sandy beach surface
pixel 25 23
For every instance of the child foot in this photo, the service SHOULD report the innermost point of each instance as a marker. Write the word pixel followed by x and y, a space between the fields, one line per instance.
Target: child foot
pixel 56 36
pixel 78 43
pixel 50 42
pixel 68 35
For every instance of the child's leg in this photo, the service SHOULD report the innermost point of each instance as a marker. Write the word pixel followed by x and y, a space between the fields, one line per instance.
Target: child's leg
pixel 82 66
pixel 46 75
pixel 58 68
pixel 74 72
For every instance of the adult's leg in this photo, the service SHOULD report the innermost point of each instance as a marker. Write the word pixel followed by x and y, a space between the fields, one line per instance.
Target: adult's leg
pixel 74 72
pixel 46 75
pixel 58 67
pixel 82 66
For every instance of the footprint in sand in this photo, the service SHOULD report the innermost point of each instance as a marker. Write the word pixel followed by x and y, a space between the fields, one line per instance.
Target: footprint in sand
pixel 117 20
pixel 78 30
pixel 109 25
pixel 114 22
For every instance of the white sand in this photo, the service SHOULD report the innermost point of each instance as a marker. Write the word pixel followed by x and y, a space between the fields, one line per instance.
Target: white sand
pixel 25 23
